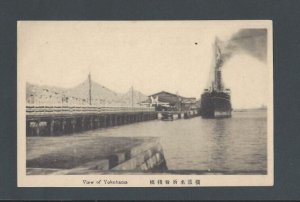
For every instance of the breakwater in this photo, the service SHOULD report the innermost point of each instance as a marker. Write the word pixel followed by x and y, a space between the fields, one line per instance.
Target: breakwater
pixel 96 154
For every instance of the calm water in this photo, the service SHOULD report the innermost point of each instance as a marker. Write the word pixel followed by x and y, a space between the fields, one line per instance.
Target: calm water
pixel 234 145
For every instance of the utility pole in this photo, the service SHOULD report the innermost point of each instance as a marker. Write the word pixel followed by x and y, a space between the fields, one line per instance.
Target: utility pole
pixel 139 98
pixel 132 96
pixel 90 88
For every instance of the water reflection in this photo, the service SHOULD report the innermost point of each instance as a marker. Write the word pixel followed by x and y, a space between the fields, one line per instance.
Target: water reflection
pixel 219 139
pixel 235 145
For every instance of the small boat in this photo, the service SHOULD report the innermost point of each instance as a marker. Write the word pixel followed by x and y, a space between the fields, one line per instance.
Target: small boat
pixel 167 116
pixel 187 115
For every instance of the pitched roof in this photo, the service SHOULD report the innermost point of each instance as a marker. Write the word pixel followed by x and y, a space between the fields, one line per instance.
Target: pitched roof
pixel 172 94
pixel 161 92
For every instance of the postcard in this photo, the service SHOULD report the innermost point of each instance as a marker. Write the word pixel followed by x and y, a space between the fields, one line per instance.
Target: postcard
pixel 145 103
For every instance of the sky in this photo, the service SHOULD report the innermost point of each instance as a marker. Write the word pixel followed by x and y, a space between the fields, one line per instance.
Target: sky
pixel 174 56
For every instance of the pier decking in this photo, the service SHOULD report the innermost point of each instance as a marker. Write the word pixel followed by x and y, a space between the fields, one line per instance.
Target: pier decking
pixel 57 120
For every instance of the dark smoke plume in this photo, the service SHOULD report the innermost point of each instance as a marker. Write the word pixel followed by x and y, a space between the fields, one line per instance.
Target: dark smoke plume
pixel 250 41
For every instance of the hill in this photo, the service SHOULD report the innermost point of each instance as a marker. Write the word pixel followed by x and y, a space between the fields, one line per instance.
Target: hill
pixel 79 94
pixel 137 97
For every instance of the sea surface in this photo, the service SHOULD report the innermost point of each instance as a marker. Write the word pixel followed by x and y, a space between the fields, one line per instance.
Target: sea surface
pixel 236 145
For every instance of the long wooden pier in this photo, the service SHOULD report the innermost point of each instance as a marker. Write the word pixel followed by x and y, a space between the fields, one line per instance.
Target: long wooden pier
pixel 59 120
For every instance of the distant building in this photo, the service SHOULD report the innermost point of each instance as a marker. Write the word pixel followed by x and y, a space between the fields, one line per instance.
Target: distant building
pixel 165 101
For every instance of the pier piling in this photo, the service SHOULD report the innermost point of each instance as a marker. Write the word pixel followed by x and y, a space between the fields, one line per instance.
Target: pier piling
pixel 48 122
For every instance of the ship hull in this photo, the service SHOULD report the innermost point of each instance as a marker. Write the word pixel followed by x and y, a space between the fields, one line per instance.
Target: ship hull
pixel 216 105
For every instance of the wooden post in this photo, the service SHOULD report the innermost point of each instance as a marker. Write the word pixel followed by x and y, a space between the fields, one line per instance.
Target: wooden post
pixel 116 120
pixel 124 119
pixel 52 127
pixel 105 120
pixel 73 122
pixel 91 123
pixel 111 120
pixel 63 126
pixel 38 128
pixel 28 129
pixel 120 120
pixel 82 124
pixel 98 122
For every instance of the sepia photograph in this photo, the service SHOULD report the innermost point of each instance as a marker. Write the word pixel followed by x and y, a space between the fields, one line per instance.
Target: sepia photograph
pixel 145 103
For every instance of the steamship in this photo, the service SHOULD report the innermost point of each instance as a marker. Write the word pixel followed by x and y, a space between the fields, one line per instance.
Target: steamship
pixel 216 101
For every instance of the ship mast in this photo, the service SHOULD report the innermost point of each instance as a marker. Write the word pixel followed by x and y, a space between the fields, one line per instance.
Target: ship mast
pixel 218 84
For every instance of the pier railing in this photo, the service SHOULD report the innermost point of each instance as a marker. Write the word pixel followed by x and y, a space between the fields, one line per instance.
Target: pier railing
pixel 42 109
